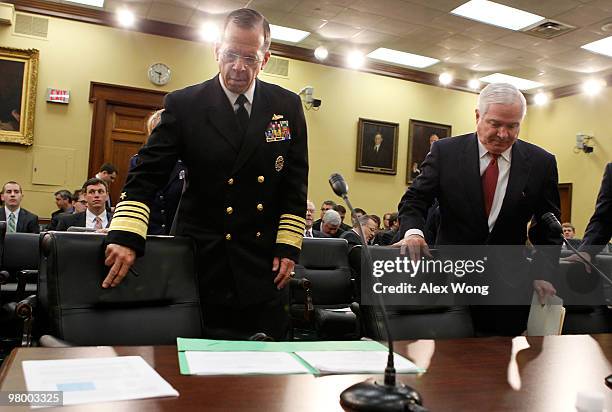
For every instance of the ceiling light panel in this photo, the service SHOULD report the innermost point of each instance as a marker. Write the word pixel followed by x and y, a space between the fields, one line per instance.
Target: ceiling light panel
pixel 403 58
pixel 496 14
pixel 288 34
pixel 519 83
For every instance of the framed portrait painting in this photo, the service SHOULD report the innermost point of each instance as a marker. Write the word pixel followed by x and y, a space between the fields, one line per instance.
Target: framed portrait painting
pixel 377 143
pixel 19 70
pixel 421 136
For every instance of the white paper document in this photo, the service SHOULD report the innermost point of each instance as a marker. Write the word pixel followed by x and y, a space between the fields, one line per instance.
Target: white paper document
pixel 92 380
pixel 332 362
pixel 545 319
pixel 243 363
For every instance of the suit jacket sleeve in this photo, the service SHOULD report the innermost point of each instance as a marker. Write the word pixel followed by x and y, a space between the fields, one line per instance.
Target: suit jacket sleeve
pixel 295 185
pixel 599 229
pixel 156 160
pixel 420 195
pixel 33 226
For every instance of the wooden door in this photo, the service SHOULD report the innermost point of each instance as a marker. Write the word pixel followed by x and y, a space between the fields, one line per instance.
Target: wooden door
pixel 124 134
pixel 565 193
pixel 118 127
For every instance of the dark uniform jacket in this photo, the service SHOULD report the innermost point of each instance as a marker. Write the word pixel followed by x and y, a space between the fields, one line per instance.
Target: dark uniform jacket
pixel 599 229
pixel 27 222
pixel 245 200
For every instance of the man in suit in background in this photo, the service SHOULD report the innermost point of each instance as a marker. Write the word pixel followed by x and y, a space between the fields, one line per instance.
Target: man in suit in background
pixel 63 200
pixel 308 230
pixel 489 185
pixel 325 206
pixel 96 217
pixel 599 229
pixel 368 226
pixel 244 143
pixel 331 224
pixel 17 218
pixel 108 173
pixel 569 233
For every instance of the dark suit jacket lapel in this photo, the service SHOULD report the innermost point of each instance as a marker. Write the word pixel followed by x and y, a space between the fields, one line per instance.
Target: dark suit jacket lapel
pixel 3 215
pixel 470 164
pixel 261 115
pixel 21 221
pixel 221 114
pixel 109 217
pixel 519 172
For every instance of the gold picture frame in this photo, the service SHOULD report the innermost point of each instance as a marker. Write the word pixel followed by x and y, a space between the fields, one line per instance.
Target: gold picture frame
pixel 18 83
pixel 377 143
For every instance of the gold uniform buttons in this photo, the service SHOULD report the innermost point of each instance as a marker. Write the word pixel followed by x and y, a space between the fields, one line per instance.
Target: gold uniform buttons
pixel 230 181
pixel 260 179
pixel 228 237
pixel 229 210
pixel 260 207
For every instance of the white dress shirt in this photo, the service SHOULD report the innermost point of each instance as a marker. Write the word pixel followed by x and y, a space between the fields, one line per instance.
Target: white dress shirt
pixel 308 231
pixel 503 164
pixel 232 97
pixel 90 219
pixel 7 213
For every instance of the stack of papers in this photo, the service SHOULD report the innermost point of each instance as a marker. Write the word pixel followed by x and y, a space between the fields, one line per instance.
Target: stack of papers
pixel 545 319
pixel 92 380
pixel 218 357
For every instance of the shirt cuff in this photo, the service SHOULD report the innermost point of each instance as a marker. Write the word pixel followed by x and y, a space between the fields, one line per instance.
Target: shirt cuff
pixel 411 232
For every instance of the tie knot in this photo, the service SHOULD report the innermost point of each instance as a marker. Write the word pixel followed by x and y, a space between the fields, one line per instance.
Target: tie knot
pixel 494 156
pixel 241 100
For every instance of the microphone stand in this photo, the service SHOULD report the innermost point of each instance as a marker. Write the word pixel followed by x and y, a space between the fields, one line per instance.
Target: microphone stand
pixel 370 395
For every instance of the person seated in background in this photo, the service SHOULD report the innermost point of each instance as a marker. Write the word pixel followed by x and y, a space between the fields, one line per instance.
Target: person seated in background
pixel 360 212
pixel 166 201
pixel 569 233
pixel 386 237
pixel 95 216
pixel 308 230
pixel 108 173
pixel 18 220
pixel 376 219
pixel 79 204
pixel 385 221
pixel 63 201
pixel 342 212
pixel 325 206
pixel 368 226
pixel 331 224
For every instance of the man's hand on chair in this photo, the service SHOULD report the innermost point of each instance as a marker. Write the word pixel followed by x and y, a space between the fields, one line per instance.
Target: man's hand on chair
pixel 120 259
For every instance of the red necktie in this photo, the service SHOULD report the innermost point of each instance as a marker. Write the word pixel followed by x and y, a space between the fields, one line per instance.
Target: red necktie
pixel 98 223
pixel 489 182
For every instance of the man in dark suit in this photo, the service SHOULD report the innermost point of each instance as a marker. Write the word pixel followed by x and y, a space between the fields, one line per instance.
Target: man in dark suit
pixel 377 153
pixel 368 226
pixel 244 144
pixel 95 217
pixel 63 200
pixel 569 233
pixel 489 185
pixel 17 218
pixel 325 206
pixel 599 229
pixel 108 173
pixel 308 229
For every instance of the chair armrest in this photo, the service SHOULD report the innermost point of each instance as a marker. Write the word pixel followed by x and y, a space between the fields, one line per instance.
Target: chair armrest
pixel 22 279
pixel 25 310
pixel 305 285
pixel 50 341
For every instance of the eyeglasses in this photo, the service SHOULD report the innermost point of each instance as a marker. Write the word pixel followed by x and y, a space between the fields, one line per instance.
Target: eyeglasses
pixel 83 202
pixel 250 61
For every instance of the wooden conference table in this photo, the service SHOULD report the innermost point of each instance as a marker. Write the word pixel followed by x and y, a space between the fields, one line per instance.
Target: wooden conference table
pixel 485 374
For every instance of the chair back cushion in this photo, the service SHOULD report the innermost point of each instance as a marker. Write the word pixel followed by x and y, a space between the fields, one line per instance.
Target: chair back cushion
pixel 21 251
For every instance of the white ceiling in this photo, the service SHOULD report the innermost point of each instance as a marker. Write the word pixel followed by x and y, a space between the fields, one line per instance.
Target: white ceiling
pixel 465 47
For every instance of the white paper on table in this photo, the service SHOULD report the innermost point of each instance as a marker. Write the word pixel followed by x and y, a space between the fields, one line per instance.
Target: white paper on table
pixel 332 362
pixel 92 380
pixel 243 363
pixel 342 310
pixel 545 319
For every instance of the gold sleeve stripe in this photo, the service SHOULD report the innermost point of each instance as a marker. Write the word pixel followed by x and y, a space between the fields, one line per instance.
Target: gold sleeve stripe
pixel 133 206
pixel 129 225
pixel 290 238
pixel 290 228
pixel 131 216
pixel 287 217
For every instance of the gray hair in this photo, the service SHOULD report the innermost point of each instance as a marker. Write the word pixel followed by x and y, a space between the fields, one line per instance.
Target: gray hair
pixel 363 220
pixel 331 217
pixel 153 120
pixel 250 19
pixel 500 93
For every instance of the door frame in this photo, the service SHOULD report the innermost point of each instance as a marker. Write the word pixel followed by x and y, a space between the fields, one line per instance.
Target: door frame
pixel 103 94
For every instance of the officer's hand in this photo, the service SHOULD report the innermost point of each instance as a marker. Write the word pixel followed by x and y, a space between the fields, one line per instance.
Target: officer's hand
pixel 120 259
pixel 575 258
pixel 416 247
pixel 285 268
pixel 544 289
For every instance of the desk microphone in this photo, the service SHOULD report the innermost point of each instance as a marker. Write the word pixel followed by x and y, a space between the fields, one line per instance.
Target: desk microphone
pixel 553 224
pixel 371 395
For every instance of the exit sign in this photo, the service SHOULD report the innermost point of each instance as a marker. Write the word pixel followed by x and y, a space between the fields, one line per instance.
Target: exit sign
pixel 58 96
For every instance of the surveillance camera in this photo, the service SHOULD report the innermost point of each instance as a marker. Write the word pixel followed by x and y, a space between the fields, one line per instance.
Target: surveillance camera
pixel 587 149
pixel 316 102
pixel 307 91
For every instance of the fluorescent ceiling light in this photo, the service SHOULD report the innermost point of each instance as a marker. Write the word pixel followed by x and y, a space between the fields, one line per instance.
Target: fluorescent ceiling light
pixel 603 46
pixel 97 3
pixel 209 32
pixel 288 34
pixel 593 86
pixel 355 59
pixel 399 57
pixel 126 18
pixel 496 14
pixel 474 84
pixel 522 84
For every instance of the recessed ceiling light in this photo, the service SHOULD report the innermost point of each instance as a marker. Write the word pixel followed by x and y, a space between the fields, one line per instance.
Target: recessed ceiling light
pixel 288 34
pixel 522 84
pixel 321 53
pixel 96 3
pixel 399 57
pixel 496 14
pixel 593 86
pixel 126 18
pixel 210 32
pixel 445 78
pixel 474 84
pixel 603 46
pixel 540 98
pixel 355 59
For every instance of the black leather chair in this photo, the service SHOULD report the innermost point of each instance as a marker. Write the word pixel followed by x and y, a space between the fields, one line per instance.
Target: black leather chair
pixel 411 322
pixel 324 262
pixel 20 258
pixel 153 308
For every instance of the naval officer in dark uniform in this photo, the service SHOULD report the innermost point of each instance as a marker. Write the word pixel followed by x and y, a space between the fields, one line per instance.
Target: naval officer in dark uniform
pixel 244 144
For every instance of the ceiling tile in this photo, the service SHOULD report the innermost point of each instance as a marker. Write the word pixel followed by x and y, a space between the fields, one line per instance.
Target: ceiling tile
pixel 373 38
pixel 583 15
pixel 442 5
pixel 316 8
pixel 578 38
pixel 358 19
pixel 397 9
pixel 311 24
pixel 337 31
pixel 170 14
pixel 458 42
pixel 190 4
pixel 139 8
pixel 545 8
pixel 397 27
pixel 279 5
pixel 485 32
pixel 220 6
pixel 451 23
